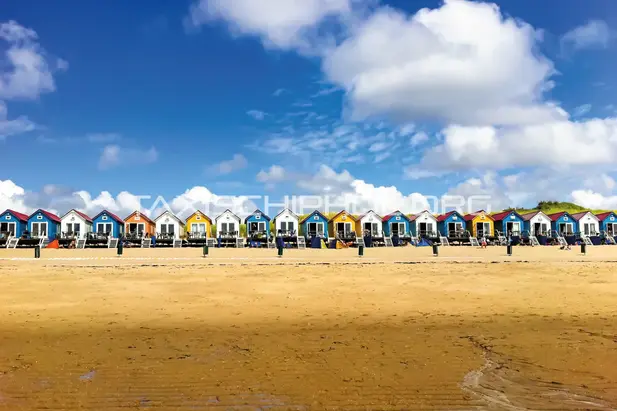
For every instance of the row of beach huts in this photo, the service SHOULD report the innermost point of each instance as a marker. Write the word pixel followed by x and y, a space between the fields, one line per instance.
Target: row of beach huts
pixel 314 230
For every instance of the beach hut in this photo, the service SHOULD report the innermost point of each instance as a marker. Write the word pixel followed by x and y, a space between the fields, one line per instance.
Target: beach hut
pixel 168 226
pixel 227 225
pixel 588 224
pixel 423 225
pixel 138 225
pixel 563 223
pixel 314 225
pixel 257 225
pixel 342 225
pixel 286 222
pixel 396 224
pixel 107 224
pixel 198 225
pixel 12 224
pixel 369 224
pixel 509 223
pixel 43 224
pixel 75 224
pixel 480 224
pixel 608 223
pixel 536 223
pixel 451 224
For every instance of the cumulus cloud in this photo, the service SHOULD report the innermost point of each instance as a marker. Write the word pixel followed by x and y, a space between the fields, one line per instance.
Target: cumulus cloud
pixel 447 64
pixel 279 23
pixel 26 72
pixel 593 200
pixel 115 156
pixel 593 34
pixel 257 114
pixel 275 174
pixel 237 162
pixel 11 127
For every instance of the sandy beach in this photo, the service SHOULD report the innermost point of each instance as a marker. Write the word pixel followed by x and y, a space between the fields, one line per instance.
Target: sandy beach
pixel 318 329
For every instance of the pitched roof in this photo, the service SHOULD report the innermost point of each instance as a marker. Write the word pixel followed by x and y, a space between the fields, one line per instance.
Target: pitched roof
pixel 471 216
pixel 172 215
pixel 415 216
pixel 47 214
pixel 445 216
pixel 341 212
pixel 19 216
pixel 201 214
pixel 290 212
pixel 557 216
pixel 578 216
pixel 229 211
pixel 504 214
pixel 256 212
pixel 79 213
pixel 531 215
pixel 603 216
pixel 145 217
pixel 112 215
pixel 361 216
pixel 394 214
pixel 314 212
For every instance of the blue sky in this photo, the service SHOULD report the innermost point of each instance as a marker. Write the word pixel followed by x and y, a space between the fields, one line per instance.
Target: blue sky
pixel 158 98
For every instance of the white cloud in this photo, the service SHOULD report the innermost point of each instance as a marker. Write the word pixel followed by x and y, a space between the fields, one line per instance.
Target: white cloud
pixel 257 114
pixel 237 162
pixel 589 142
pixel 115 156
pixel 279 91
pixel 279 23
pixel 25 72
pixel 15 126
pixel 418 138
pixel 581 110
pixel 274 174
pixel 447 64
pixel 593 200
pixel 378 146
pixel 594 33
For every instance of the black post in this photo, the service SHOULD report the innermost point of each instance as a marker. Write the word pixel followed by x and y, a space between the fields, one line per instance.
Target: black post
pixel 37 251
pixel 509 249
pixel 435 250
pixel 360 251
pixel 280 251
pixel 583 248
pixel 120 246
pixel 206 250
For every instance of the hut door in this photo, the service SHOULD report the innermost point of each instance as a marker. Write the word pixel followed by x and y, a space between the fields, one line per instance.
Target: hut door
pixel 39 230
pixel 565 228
pixel 513 228
pixel 103 228
pixel 537 229
pixel 340 228
pixel 422 229
pixel 610 229
pixel 368 228
pixel 483 229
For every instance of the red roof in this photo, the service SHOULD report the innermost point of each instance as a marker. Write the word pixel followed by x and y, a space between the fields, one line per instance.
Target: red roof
pixel 602 216
pixel 557 216
pixel 578 216
pixel 112 215
pixel 79 213
pixel 19 216
pixel 471 216
pixel 47 214
pixel 445 216
pixel 389 216
pixel 504 214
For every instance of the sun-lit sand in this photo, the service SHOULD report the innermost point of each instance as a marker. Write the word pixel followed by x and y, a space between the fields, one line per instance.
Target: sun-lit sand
pixel 317 329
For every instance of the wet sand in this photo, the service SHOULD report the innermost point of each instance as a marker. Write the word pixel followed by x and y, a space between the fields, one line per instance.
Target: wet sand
pixel 319 329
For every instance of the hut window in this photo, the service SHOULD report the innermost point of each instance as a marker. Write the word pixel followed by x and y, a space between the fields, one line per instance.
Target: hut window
pixel 104 218
pixel 397 229
pixel 73 228
pixel 483 229
pixel 198 228
pixel 104 228
pixel 8 217
pixel 315 229
pixel 167 229
pixel 7 228
pixel 39 230
pixel 288 226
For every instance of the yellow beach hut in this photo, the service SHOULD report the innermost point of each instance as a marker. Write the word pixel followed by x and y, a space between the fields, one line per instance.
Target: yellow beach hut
pixel 198 225
pixel 342 225
pixel 480 224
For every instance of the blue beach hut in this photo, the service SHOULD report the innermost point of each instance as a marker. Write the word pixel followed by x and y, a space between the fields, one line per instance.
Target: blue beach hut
pixel 451 224
pixel 42 224
pixel 396 224
pixel 257 225
pixel 107 223
pixel 564 225
pixel 12 223
pixel 608 223
pixel 509 223
pixel 314 228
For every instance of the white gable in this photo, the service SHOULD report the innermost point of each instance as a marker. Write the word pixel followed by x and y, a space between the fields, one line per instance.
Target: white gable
pixel 73 217
pixel 168 218
pixel 425 217
pixel 286 215
pixel 227 216
pixel 589 218
pixel 370 217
